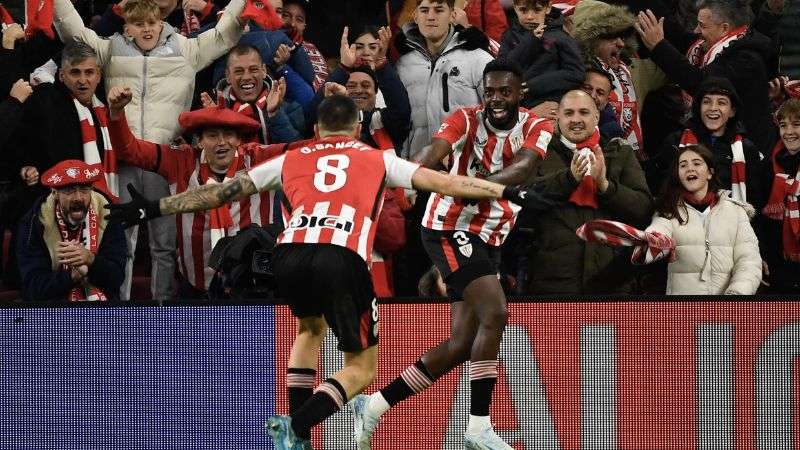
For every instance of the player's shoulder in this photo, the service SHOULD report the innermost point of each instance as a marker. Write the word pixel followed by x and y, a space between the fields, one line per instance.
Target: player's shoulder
pixel 531 120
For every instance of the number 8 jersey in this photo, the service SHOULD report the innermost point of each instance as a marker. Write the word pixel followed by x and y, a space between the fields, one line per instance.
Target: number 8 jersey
pixel 333 191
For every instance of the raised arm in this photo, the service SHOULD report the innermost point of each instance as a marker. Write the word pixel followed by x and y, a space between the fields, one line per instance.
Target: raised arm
pixel 211 44
pixel 70 26
pixel 208 196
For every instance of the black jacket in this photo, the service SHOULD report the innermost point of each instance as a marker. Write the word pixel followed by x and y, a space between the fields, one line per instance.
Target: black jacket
pixel 552 65
pixel 40 282
pixel 744 63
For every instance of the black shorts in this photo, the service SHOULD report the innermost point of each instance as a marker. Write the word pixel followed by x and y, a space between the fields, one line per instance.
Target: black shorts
pixel 461 257
pixel 330 281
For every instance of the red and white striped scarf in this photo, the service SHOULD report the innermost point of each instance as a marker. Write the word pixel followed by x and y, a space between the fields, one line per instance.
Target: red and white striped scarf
pixel 738 173
pixel 191 22
pixel 91 154
pixel 247 109
pixel 626 107
pixel 700 58
pixel 586 192
pixel 379 133
pixel 648 247
pixel 89 238
pixel 782 205
pixel 220 218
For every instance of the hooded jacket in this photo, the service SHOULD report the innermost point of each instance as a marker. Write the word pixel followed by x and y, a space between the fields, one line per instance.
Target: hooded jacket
pixel 594 19
pixel 163 78
pixel 744 63
pixel 717 252
pixel 757 188
pixel 438 85
pixel 552 65
pixel 35 250
pixel 560 262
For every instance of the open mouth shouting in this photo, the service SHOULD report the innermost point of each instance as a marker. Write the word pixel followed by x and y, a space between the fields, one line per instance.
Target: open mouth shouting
pixel 247 89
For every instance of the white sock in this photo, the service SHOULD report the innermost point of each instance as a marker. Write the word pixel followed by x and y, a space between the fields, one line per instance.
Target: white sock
pixel 477 424
pixel 377 405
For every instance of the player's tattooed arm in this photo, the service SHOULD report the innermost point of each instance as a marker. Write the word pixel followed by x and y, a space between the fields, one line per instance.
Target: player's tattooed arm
pixel 208 196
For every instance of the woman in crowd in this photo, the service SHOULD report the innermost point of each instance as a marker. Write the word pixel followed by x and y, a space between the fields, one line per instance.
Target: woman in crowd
pixel 716 250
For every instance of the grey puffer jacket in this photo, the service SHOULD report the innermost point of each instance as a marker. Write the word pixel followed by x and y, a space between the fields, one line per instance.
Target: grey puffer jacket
pixel 439 85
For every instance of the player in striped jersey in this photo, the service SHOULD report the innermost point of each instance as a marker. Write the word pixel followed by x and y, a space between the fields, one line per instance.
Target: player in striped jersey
pixel 334 189
pixel 497 141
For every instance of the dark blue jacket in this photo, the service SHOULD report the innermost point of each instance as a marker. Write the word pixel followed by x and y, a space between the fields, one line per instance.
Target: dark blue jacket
pixel 40 282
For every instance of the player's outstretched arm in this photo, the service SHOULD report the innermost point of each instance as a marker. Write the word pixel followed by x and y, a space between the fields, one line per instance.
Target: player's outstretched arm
pixel 209 196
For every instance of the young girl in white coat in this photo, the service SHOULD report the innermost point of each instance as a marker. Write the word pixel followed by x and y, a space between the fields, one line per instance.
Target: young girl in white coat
pixel 716 247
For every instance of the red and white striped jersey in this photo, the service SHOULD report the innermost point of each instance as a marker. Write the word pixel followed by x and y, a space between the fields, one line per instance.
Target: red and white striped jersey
pixel 334 191
pixel 182 169
pixel 480 150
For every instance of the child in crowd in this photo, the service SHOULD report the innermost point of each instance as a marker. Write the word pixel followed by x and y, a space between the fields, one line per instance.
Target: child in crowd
pixel 154 60
pixel 550 58
pixel 716 249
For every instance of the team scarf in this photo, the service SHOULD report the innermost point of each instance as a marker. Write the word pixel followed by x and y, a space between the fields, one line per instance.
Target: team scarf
pixel 738 173
pixel 91 154
pixel 220 218
pixel 379 133
pixel 699 58
pixel 626 107
pixel 782 205
pixel 648 246
pixel 38 18
pixel 190 23
pixel 89 238
pixel 253 110
pixel 586 192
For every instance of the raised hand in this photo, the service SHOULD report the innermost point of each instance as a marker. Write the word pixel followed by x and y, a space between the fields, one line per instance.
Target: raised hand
pixel 194 5
pixel 275 96
pixel 30 175
pixel 118 97
pixel 598 168
pixel 332 88
pixel 21 90
pixel 206 100
pixel 282 54
pixel 649 28
pixel 137 211
pixel 347 52
pixel 11 35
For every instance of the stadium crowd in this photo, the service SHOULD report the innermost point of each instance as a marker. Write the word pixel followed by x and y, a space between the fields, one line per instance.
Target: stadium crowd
pixel 674 121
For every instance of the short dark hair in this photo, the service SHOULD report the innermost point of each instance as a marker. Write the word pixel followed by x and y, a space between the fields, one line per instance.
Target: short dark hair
pixel 240 50
pixel 300 3
pixel 337 113
pixel 371 30
pixel 450 3
pixel 367 70
pixel 593 68
pixel 502 65
pixel 735 12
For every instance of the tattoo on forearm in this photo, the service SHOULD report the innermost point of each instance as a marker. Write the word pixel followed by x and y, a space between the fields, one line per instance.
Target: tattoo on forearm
pixel 209 196
pixel 472 185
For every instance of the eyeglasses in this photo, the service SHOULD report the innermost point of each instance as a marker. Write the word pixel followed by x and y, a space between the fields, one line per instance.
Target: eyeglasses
pixel 69 190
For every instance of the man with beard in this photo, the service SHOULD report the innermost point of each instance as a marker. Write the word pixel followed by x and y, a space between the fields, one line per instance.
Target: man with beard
pixel 67 249
pixel 600 179
pixel 218 157
pixel 496 141
pixel 333 194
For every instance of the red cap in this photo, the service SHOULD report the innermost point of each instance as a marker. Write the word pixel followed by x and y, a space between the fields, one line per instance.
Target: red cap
pixel 71 171
pixel 216 117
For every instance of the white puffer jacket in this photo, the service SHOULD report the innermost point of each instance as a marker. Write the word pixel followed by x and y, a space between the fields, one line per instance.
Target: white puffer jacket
pixel 717 252
pixel 438 86
pixel 163 78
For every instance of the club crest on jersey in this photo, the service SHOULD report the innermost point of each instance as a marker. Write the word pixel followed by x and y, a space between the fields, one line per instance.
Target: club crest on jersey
pixel 466 250
pixel 311 221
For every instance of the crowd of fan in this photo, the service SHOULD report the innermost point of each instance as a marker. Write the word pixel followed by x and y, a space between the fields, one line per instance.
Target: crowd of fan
pixel 674 84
